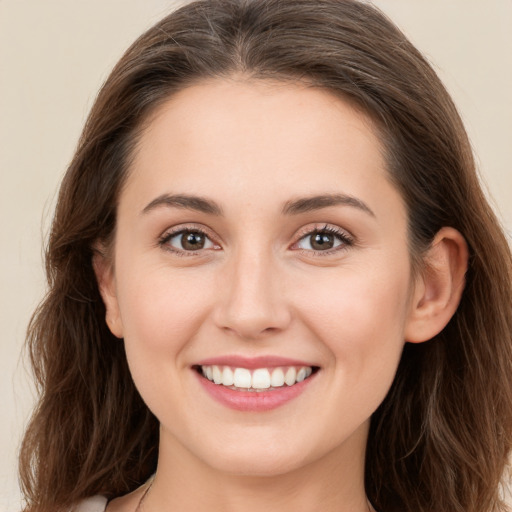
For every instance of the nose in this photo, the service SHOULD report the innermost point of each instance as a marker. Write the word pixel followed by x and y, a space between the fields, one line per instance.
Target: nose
pixel 252 302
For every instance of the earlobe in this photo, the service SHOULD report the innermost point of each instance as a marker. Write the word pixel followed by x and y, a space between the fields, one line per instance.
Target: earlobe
pixel 439 288
pixel 103 268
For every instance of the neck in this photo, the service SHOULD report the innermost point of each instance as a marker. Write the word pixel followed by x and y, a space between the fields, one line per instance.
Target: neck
pixel 333 483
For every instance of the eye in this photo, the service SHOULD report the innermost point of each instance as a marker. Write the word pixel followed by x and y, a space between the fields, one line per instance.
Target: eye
pixel 187 240
pixel 324 240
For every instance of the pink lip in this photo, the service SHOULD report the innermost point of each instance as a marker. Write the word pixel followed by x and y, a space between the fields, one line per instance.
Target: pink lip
pixel 252 363
pixel 253 401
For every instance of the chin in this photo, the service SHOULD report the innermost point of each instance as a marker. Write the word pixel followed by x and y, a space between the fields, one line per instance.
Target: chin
pixel 261 458
pixel 259 465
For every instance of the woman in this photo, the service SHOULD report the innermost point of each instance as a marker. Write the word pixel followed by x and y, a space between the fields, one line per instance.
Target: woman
pixel 274 280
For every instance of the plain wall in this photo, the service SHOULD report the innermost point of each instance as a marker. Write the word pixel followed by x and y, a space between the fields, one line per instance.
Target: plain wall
pixel 55 54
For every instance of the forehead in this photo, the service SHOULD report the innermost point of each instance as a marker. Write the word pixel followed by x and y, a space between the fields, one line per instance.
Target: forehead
pixel 233 137
pixel 241 110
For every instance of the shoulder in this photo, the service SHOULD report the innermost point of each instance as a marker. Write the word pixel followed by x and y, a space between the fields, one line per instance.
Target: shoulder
pixel 126 503
pixel 94 504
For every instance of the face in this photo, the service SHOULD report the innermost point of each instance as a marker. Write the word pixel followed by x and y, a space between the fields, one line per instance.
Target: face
pixel 259 239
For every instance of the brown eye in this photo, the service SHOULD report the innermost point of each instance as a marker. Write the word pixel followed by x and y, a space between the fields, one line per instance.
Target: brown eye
pixel 192 241
pixel 322 241
pixel 188 241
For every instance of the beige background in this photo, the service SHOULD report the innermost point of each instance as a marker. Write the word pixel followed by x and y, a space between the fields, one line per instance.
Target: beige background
pixel 54 55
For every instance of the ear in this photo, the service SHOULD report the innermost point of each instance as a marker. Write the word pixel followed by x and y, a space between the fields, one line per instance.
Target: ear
pixel 104 270
pixel 438 289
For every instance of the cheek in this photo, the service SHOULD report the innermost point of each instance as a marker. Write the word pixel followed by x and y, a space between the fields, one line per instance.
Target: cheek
pixel 360 317
pixel 162 309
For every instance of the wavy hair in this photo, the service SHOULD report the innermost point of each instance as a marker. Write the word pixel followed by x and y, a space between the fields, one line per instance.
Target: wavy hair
pixel 441 438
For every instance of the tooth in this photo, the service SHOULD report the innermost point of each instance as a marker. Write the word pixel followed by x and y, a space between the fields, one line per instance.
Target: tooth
pixel 277 379
pixel 242 378
pixel 227 376
pixel 261 379
pixel 217 375
pixel 290 376
pixel 301 374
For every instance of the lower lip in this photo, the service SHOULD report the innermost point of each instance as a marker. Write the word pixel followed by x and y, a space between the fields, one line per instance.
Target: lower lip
pixel 254 401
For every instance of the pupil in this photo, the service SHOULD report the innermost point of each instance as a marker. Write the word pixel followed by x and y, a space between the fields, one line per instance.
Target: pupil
pixel 192 241
pixel 322 241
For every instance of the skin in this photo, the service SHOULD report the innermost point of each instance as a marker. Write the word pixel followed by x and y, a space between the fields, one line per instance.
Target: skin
pixel 258 288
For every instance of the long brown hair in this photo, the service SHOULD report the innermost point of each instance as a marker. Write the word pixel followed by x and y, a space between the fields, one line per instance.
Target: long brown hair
pixel 441 438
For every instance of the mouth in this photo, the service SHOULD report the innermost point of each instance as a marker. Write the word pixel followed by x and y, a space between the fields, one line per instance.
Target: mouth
pixel 256 380
pixel 254 385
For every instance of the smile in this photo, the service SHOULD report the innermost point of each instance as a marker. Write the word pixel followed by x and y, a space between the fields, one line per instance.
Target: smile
pixel 258 380
pixel 254 384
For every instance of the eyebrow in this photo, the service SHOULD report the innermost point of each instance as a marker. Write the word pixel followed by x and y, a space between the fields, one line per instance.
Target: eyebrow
pixel 307 204
pixel 196 203
pixel 294 207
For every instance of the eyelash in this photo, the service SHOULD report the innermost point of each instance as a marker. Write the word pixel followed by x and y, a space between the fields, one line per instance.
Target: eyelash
pixel 169 235
pixel 345 239
pixel 342 236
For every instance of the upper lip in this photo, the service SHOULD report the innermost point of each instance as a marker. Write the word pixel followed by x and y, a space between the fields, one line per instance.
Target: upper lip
pixel 252 363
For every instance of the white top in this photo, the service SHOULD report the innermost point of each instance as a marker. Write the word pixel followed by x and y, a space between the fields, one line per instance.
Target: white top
pixel 94 504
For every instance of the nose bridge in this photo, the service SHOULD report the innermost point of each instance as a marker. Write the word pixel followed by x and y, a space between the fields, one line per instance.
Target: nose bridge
pixel 253 300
